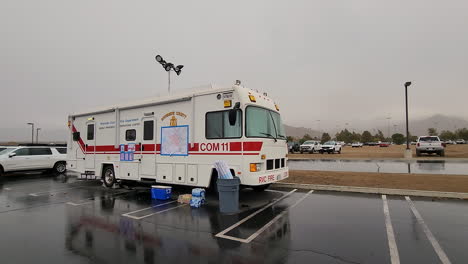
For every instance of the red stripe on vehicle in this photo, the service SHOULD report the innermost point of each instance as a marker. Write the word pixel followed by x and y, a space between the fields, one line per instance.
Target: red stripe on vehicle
pixel 235 146
pixel 253 146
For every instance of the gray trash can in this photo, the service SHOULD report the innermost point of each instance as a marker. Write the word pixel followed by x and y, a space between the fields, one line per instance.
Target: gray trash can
pixel 228 190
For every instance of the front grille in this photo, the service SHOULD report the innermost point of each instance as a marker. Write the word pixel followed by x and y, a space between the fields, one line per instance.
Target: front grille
pixel 275 164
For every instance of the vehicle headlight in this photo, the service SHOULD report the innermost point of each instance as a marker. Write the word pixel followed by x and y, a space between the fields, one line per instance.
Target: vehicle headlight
pixel 254 167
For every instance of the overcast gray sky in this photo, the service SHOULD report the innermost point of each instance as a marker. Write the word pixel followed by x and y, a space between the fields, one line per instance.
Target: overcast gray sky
pixel 337 61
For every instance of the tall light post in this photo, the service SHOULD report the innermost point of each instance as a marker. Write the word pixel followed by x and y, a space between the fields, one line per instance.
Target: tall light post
pixel 32 132
pixel 37 135
pixel 169 67
pixel 408 151
pixel 388 126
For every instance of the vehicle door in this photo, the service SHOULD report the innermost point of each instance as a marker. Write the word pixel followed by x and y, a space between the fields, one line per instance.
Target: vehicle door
pixel 148 147
pixel 41 158
pixel 21 160
pixel 90 145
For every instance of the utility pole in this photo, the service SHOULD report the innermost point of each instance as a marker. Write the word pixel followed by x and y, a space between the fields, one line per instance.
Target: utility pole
pixel 37 135
pixel 408 151
pixel 32 132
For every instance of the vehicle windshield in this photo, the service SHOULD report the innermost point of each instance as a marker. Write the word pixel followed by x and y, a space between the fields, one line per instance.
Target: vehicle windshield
pixel 309 142
pixel 428 139
pixel 330 143
pixel 263 123
pixel 6 151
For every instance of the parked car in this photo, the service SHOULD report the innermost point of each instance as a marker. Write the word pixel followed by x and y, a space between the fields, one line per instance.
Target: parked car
pixel 293 147
pixel 460 141
pixel 2 148
pixel 357 145
pixel 330 147
pixel 429 145
pixel 384 144
pixel 25 158
pixel 310 146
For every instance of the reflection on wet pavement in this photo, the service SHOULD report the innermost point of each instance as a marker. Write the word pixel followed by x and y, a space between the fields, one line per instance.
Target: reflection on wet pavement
pixel 385 166
pixel 72 221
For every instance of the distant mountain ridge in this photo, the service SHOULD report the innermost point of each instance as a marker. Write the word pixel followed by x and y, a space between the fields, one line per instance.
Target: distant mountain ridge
pixel 417 127
pixel 299 132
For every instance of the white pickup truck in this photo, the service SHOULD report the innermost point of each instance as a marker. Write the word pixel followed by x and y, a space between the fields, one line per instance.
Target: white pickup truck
pixel 310 146
pixel 429 145
pixel 330 147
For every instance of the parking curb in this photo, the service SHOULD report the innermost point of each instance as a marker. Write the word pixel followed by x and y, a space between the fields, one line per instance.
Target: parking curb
pixel 373 190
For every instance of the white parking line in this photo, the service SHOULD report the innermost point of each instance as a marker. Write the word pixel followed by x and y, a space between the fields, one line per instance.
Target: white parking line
pixel 129 214
pixel 392 246
pixel 221 234
pixel 256 234
pixel 438 249
pixel 52 191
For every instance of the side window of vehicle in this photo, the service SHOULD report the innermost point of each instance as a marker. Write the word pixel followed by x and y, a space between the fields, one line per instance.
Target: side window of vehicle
pixel 40 151
pixel 217 125
pixel 62 150
pixel 90 134
pixel 148 130
pixel 23 152
pixel 130 135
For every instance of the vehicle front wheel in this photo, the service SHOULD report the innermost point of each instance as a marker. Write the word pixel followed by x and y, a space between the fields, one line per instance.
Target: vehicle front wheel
pixel 339 151
pixel 260 188
pixel 418 153
pixel 442 153
pixel 108 176
pixel 60 167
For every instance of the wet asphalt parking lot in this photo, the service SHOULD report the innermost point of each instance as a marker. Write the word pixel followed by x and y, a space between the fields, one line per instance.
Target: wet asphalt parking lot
pixel 60 219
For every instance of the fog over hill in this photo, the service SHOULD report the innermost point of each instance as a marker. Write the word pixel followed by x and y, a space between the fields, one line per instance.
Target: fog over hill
pixel 417 127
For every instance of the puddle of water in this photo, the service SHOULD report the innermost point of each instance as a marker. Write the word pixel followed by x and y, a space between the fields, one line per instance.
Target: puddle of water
pixel 420 166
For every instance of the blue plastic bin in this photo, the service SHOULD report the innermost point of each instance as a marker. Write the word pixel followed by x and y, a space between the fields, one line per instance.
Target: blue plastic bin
pixel 161 192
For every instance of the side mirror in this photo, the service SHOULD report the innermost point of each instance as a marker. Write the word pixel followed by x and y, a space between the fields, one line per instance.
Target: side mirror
pixel 11 155
pixel 232 117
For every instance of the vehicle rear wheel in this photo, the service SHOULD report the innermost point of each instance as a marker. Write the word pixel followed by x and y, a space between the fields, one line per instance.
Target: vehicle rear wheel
pixel 260 188
pixel 302 152
pixel 339 151
pixel 442 153
pixel 60 167
pixel 108 176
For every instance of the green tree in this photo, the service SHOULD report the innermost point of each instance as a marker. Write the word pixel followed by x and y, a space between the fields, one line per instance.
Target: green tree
pixel 398 138
pixel 290 139
pixel 366 136
pixel 305 138
pixel 447 135
pixel 379 136
pixel 325 137
pixel 462 133
pixel 432 131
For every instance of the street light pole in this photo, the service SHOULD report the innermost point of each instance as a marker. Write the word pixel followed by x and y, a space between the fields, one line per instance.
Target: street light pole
pixel 407 128
pixel 32 132
pixel 37 135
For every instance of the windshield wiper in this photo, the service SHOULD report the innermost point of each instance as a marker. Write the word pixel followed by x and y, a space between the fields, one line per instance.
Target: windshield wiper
pixel 269 135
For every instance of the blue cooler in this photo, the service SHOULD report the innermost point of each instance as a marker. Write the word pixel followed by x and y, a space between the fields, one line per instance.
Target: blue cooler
pixel 161 192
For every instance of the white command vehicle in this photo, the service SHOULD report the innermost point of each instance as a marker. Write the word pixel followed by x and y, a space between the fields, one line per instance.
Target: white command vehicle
pixel 330 147
pixel 429 145
pixel 177 138
pixel 310 146
pixel 30 158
